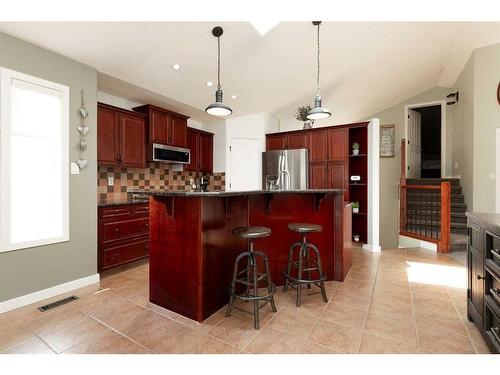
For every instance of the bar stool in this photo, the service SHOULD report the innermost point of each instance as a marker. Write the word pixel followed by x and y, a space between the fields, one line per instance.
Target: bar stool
pixel 250 276
pixel 304 264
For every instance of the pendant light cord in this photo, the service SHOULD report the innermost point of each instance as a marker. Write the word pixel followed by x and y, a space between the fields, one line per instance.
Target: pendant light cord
pixel 218 63
pixel 317 79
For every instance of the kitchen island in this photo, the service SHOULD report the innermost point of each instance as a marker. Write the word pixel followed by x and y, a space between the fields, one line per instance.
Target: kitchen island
pixel 192 249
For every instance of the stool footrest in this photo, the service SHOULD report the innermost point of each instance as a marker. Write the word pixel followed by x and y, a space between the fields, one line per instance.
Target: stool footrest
pixel 252 297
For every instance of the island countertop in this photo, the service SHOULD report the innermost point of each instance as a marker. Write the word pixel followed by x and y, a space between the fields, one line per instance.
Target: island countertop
pixel 224 193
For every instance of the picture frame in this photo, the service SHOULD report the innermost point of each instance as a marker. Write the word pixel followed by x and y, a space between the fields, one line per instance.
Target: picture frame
pixel 387 135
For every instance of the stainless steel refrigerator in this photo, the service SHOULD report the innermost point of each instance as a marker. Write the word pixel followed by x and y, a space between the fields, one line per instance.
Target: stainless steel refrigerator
pixel 285 169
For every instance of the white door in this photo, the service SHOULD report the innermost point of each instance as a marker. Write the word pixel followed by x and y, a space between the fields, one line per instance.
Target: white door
pixel 245 164
pixel 414 155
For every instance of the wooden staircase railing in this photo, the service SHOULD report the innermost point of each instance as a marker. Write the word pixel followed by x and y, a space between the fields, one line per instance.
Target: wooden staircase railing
pixel 419 220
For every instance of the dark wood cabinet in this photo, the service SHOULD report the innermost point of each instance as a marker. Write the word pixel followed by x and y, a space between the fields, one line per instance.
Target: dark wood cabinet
pixel 318 175
pixel 164 126
pixel 337 175
pixel 483 276
pixel 123 234
pixel 121 137
pixel 337 144
pixel 201 145
pixel 287 142
pixel 318 150
pixel 275 142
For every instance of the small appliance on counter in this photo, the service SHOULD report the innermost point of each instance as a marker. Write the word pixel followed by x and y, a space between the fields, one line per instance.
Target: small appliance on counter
pixel 285 169
pixel 202 183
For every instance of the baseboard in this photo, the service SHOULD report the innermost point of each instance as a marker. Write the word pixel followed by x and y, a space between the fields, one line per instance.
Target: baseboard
pixel 373 249
pixel 409 242
pixel 28 299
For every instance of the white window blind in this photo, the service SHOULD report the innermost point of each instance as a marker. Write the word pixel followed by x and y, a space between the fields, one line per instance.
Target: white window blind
pixel 34 196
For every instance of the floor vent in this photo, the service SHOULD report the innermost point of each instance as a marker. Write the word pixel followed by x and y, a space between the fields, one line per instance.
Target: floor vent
pixel 55 304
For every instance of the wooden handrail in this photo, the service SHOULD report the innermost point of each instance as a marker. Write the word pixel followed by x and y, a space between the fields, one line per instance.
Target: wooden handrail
pixel 423 187
pixel 443 240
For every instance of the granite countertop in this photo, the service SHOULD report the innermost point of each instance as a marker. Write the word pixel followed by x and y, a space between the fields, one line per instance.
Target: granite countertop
pixel 119 202
pixel 488 220
pixel 176 193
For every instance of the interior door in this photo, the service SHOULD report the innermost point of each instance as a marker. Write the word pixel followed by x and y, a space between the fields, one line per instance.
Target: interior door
pixel 414 155
pixel 245 164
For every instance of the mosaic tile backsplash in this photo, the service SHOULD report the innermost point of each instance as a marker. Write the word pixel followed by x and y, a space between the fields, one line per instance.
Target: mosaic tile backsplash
pixel 158 176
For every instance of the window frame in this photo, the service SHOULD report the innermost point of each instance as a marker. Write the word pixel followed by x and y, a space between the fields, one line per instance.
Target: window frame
pixel 6 77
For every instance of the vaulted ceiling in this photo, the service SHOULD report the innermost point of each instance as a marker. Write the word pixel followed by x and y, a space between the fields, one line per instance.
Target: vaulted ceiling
pixel 365 66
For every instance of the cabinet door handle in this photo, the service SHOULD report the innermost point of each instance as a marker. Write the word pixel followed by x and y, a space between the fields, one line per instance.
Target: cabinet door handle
pixel 479 277
pixel 496 253
pixel 117 230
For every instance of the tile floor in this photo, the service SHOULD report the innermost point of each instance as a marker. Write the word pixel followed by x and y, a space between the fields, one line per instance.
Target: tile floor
pixel 399 301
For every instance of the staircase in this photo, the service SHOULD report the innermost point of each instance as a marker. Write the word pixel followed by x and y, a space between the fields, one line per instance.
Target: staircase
pixel 425 210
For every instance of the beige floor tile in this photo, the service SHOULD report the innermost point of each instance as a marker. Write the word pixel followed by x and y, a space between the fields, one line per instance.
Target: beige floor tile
pixel 14 335
pixel 162 311
pixel 207 324
pixel 476 338
pixel 346 315
pixel 120 316
pixel 66 337
pixel 397 329
pixel 109 342
pixel 312 304
pixel 336 336
pixel 347 298
pixel 445 345
pixel 373 344
pixel 97 302
pixel 34 346
pixel 436 306
pixel 149 328
pixel 55 319
pixel 271 341
pixel 294 321
pixel 236 330
pixel 310 347
pixel 435 325
pixel 395 310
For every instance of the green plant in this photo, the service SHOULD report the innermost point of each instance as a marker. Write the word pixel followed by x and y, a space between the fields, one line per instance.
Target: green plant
pixel 355 146
pixel 355 204
pixel 301 113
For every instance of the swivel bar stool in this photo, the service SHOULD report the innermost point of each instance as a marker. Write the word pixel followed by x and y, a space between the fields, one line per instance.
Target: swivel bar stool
pixel 250 276
pixel 304 264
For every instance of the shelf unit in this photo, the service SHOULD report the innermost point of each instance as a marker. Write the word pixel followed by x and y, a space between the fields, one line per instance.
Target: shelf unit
pixel 358 192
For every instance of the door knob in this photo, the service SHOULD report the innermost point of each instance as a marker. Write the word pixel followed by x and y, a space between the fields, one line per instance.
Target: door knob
pixel 479 277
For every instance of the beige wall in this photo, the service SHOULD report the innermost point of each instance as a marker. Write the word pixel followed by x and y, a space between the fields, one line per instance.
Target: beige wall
pixel 462 119
pixel 29 270
pixel 390 167
pixel 486 120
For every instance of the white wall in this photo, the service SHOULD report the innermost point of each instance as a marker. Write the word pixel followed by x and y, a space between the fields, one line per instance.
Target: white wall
pixel 254 126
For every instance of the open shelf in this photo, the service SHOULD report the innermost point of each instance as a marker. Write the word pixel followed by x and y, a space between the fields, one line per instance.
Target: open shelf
pixel 358 192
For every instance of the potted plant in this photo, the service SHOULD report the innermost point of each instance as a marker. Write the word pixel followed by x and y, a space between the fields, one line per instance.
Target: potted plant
pixel 355 207
pixel 356 237
pixel 355 148
pixel 301 115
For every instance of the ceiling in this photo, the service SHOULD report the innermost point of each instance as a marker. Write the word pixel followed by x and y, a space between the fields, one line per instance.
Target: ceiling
pixel 365 66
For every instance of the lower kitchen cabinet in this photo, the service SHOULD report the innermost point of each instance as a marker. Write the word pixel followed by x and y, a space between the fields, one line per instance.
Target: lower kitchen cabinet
pixel 123 234
pixel 483 276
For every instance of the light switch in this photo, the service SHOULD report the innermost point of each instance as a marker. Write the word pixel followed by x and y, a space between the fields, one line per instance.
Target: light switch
pixel 111 181
pixel 456 164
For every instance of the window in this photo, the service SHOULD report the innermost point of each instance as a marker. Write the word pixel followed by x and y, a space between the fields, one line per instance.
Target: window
pixel 34 174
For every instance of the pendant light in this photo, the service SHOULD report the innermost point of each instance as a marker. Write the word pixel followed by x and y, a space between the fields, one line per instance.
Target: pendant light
pixel 218 108
pixel 318 112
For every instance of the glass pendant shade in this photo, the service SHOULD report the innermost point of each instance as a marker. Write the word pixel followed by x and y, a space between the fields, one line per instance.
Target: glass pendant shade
pixel 318 112
pixel 218 108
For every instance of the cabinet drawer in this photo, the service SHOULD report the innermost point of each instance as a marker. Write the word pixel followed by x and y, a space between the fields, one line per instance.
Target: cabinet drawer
pixel 492 246
pixel 141 210
pixel 116 211
pixel 125 253
pixel 475 237
pixel 120 229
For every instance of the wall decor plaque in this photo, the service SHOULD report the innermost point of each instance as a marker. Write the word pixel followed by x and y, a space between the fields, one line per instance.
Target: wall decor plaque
pixel 387 141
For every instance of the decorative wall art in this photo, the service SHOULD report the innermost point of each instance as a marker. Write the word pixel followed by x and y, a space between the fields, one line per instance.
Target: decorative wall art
pixel 387 141
pixel 83 130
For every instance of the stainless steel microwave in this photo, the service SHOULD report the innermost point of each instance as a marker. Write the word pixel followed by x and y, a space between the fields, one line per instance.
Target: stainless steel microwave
pixel 170 154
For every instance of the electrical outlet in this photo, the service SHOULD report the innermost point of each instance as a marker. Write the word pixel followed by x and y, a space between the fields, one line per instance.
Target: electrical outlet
pixel 111 181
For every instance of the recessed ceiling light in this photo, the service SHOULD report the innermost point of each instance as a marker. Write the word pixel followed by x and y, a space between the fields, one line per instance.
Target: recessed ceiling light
pixel 210 83
pixel 263 26
pixel 176 66
pixel 234 96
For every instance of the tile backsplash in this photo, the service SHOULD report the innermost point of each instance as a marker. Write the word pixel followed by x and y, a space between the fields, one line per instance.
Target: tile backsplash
pixel 157 176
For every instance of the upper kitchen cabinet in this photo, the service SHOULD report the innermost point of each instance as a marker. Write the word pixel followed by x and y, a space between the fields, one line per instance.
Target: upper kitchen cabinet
pixel 318 150
pixel 201 145
pixel 337 144
pixel 287 141
pixel 165 127
pixel 121 137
